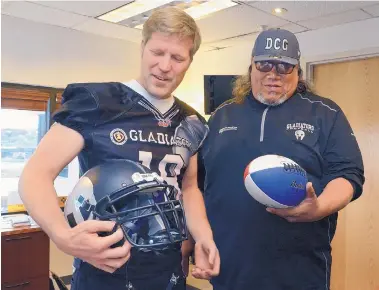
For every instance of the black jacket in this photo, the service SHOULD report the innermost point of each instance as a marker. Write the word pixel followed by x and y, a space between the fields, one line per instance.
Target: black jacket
pixel 260 250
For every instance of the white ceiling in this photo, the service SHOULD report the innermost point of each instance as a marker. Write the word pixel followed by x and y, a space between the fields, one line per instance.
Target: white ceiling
pixel 221 29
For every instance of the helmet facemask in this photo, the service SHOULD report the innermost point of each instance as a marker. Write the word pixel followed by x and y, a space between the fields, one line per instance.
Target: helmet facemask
pixel 148 212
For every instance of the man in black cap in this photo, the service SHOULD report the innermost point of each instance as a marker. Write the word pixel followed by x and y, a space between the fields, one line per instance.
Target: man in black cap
pixel 274 112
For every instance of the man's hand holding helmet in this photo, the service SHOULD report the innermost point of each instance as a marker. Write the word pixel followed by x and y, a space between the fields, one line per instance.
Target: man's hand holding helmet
pixel 84 242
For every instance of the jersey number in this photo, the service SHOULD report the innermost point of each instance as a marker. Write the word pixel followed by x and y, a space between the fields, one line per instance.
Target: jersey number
pixel 169 167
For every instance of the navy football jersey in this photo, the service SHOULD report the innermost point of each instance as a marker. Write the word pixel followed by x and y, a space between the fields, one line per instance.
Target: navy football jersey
pixel 118 123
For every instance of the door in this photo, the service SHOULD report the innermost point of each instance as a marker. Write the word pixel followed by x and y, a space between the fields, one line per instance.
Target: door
pixel 354 86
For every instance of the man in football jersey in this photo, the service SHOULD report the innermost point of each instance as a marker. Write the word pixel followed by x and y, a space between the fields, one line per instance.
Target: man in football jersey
pixel 141 121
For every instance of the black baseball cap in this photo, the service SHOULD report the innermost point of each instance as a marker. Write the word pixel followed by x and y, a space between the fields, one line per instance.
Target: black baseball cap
pixel 277 44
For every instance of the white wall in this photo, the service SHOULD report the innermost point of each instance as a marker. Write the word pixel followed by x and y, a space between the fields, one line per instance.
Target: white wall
pixel 349 40
pixel 40 54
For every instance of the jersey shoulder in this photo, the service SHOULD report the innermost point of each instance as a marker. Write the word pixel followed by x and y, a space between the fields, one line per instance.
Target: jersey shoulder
pixel 94 103
pixel 193 127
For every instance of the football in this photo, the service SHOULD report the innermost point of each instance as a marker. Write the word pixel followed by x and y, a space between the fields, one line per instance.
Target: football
pixel 276 181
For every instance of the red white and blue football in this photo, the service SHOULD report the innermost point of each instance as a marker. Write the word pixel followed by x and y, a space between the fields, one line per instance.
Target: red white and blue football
pixel 276 181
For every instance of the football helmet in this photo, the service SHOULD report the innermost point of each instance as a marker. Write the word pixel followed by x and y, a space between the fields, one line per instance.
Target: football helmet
pixel 133 196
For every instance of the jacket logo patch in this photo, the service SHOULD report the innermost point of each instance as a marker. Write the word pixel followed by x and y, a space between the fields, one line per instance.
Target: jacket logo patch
pixel 299 134
pixel 118 136
pixel 300 129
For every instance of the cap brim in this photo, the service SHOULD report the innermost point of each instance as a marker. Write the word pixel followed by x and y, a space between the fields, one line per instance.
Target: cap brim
pixel 278 58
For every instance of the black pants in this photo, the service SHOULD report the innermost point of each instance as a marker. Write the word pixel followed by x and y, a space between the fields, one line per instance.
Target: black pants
pixel 144 271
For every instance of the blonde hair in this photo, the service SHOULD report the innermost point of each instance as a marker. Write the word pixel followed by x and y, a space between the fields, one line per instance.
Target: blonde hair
pixel 242 86
pixel 172 20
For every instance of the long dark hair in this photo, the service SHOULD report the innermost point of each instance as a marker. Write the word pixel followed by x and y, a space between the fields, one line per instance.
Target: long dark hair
pixel 242 85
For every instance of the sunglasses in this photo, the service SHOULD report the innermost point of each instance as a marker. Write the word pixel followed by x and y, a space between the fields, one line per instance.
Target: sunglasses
pixel 280 67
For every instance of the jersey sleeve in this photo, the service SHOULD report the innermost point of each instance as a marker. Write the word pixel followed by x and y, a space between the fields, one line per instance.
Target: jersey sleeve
pixel 78 111
pixel 191 133
pixel 342 155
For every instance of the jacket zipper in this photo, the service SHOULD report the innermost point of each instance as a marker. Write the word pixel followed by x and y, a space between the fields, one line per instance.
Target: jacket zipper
pixel 263 124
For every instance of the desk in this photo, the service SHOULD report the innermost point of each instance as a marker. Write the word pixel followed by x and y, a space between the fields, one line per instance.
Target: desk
pixel 24 259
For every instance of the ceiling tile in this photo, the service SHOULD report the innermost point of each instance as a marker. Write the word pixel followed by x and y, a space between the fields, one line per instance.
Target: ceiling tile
pixel 88 8
pixel 294 28
pixel 109 29
pixel 237 20
pixel 335 19
pixel 5 5
pixel 373 10
pixel 304 10
pixel 229 42
pixel 248 38
pixel 42 14
pixel 232 26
